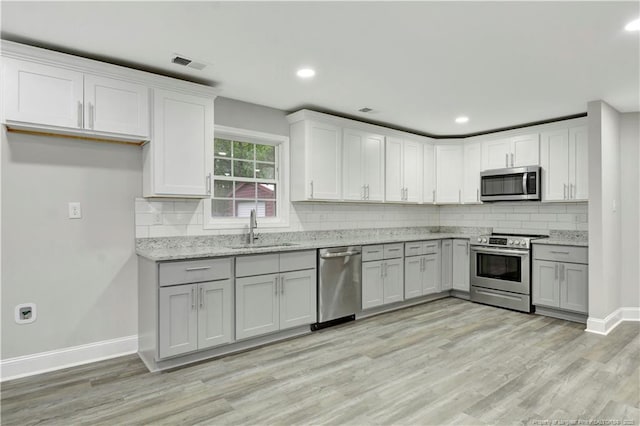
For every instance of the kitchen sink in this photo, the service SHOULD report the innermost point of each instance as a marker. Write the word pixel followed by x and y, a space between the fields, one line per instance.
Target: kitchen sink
pixel 273 245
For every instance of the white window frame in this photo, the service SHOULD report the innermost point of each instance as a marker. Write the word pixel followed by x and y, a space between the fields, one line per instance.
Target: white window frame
pixel 282 178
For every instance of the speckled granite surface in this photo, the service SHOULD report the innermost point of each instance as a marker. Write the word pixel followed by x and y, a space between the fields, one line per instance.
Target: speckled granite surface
pixel 565 238
pixel 174 248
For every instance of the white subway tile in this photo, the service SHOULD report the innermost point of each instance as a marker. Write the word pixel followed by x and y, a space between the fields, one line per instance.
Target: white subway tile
pixel 189 206
pixel 509 224
pixel 142 231
pixel 544 217
pixel 180 219
pixel 144 219
pixel 553 208
pixel 167 230
pixel 536 225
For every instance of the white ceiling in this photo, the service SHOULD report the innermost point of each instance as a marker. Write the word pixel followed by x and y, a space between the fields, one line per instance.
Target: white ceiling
pixel 417 64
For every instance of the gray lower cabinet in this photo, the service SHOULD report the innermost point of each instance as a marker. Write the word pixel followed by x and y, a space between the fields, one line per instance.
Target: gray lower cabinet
pixel 422 268
pixel 382 275
pixel 268 303
pixel 558 283
pixel 194 317
pixel 460 266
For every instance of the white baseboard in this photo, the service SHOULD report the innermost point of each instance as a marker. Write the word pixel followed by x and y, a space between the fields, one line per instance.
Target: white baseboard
pixel 604 326
pixel 29 365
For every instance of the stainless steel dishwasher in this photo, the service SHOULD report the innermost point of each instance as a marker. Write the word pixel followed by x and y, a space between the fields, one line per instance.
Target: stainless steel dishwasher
pixel 339 285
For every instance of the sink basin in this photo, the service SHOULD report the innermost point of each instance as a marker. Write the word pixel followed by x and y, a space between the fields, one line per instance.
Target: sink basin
pixel 259 245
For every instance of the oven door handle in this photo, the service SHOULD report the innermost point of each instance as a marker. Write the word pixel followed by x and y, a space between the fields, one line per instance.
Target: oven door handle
pixel 498 250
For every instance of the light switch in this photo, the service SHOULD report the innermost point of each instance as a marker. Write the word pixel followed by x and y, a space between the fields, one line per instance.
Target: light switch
pixel 75 211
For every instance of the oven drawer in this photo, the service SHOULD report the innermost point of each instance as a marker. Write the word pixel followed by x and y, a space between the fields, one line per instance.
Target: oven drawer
pixel 570 254
pixel 503 299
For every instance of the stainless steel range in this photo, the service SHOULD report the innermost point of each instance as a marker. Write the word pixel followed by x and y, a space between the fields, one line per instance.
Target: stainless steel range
pixel 500 267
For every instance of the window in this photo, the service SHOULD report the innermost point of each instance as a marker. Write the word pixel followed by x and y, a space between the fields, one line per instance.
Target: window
pixel 246 176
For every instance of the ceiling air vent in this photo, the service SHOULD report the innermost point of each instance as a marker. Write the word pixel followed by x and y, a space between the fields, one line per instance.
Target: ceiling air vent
pixel 186 62
pixel 365 109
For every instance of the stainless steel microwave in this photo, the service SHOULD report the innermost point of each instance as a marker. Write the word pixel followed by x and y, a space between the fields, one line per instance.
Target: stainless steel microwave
pixel 512 184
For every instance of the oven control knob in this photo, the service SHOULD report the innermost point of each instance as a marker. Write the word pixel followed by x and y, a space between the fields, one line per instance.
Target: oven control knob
pixel 484 240
pixel 510 242
pixel 517 242
pixel 479 240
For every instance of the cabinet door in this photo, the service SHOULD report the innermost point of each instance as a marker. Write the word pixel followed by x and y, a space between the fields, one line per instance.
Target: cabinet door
pixel 373 169
pixel 447 265
pixel 471 170
pixel 393 169
pixel 393 280
pixel 372 288
pixel 460 270
pixel 324 161
pixel 546 285
pixel 257 310
pixel 215 313
pixel 412 163
pixel 42 94
pixel 116 106
pixel 525 150
pixel 297 298
pixel 413 276
pixel 182 143
pixel 353 143
pixel 554 160
pixel 431 274
pixel 449 173
pixel 574 287
pixel 428 173
pixel 579 163
pixel 496 154
pixel 178 332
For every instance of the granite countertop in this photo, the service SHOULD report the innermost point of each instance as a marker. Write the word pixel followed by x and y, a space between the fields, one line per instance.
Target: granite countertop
pixel 219 249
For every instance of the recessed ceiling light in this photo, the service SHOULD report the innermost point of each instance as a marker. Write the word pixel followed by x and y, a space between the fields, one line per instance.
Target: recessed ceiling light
pixel 462 119
pixel 633 25
pixel 305 73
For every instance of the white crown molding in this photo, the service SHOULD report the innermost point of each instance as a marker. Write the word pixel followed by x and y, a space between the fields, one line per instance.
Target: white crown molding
pixel 29 365
pixel 76 63
pixel 604 326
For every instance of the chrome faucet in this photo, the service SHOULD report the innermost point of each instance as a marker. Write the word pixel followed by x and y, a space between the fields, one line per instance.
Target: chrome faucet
pixel 253 224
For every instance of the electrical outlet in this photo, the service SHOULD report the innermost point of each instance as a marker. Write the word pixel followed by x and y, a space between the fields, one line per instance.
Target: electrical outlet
pixel 25 313
pixel 75 211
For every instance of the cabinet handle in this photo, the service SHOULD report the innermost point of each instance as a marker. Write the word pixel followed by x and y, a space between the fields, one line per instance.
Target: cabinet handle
pixel 564 190
pixel 199 268
pixel 209 184
pixel 281 285
pixel 91 115
pixel 79 114
pixel 477 194
pixel 193 298
pixel 459 196
pixel 467 245
pixel 201 297
pixel 559 252
pixel 512 159
pixel 556 271
pixel 506 160
pixel 311 186
pixel 394 249
pixel 367 191
pixel 434 196
pixel 571 191
pixel 562 277
pixel 275 284
pixel 381 269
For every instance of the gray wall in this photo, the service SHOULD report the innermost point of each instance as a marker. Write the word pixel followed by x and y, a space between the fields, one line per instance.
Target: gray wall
pixel 81 273
pixel 243 115
pixel 630 209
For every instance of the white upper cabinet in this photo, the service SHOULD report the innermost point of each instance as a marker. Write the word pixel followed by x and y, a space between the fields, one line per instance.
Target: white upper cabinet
pixel 515 151
pixel 449 173
pixel 564 161
pixel 56 99
pixel 428 173
pixel 403 170
pixel 316 161
pixel 471 173
pixel 363 165
pixel 180 155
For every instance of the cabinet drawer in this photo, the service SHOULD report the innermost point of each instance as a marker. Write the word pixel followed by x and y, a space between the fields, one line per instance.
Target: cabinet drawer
pixel 414 248
pixel 392 251
pixel 372 252
pixel 431 247
pixel 297 260
pixel 561 253
pixel 257 265
pixel 194 271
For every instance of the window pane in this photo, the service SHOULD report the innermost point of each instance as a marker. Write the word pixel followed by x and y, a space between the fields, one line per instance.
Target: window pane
pixel 267 209
pixel 243 150
pixel 222 208
pixel 267 190
pixel 223 189
pixel 221 167
pixel 222 148
pixel 265 153
pixel 243 208
pixel 245 190
pixel 265 171
pixel 243 168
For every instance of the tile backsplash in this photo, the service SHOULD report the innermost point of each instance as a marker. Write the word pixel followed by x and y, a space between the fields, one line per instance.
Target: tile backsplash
pixel 179 217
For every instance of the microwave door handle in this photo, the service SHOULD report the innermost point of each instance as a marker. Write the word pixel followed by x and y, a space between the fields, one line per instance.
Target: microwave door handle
pixel 524 183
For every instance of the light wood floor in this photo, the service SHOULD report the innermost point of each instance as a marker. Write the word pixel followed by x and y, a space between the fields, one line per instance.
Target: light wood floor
pixel 446 362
